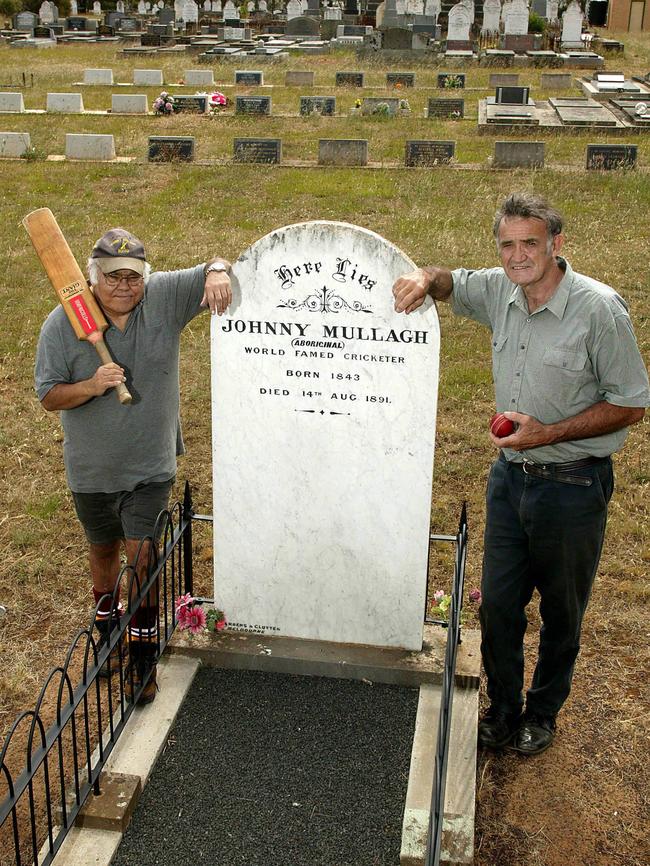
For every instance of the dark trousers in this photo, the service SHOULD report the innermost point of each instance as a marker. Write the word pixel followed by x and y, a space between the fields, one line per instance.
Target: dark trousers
pixel 545 535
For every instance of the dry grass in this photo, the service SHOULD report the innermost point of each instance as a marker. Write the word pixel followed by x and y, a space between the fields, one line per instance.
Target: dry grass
pixel 586 800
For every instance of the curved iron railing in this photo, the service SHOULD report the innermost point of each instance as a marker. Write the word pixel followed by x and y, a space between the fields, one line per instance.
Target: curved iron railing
pixel 434 839
pixel 63 760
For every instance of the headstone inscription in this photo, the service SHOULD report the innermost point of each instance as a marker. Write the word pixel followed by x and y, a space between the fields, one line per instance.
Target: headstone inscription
pixel 349 79
pixel 325 105
pixel 42 32
pixel 605 157
pixel 253 105
pixel 265 150
pixel 313 354
pixel 171 148
pixel 452 108
pixel 190 104
pixel 429 153
pixel 249 78
pixel 25 21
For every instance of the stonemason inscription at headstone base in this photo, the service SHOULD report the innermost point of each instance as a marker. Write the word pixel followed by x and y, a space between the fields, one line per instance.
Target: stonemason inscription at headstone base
pixel 265 150
pixel 324 400
pixel 429 153
pixel 171 148
pixel 606 157
pixel 454 108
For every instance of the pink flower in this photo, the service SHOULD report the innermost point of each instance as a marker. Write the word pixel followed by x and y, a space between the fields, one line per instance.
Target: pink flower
pixel 475 595
pixel 438 595
pixel 220 624
pixel 195 619
pixel 183 601
pixel 168 106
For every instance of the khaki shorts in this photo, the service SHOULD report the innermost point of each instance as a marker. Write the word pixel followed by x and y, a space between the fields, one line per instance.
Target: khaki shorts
pixel 108 517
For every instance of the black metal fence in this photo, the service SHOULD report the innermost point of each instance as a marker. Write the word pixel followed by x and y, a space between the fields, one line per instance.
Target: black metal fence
pixel 434 840
pixel 53 755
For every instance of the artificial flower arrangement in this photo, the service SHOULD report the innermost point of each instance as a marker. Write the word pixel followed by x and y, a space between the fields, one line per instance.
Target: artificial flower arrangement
pixel 191 617
pixel 217 102
pixel 164 104
pixel 442 602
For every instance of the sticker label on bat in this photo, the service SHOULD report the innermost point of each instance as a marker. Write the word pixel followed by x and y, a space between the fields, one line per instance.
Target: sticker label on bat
pixel 83 314
pixel 73 289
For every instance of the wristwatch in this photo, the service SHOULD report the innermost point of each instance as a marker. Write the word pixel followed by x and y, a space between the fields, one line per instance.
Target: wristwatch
pixel 216 266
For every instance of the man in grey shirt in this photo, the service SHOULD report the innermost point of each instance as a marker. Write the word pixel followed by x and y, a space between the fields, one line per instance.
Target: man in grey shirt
pixel 120 460
pixel 568 373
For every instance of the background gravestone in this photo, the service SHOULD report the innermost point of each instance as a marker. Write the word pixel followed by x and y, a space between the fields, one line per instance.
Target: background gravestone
pixel 324 406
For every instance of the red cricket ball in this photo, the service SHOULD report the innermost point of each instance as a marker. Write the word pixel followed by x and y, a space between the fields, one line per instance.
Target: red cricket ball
pixel 500 426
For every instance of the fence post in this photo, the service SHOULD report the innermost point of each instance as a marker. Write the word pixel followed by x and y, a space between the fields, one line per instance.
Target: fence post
pixel 188 511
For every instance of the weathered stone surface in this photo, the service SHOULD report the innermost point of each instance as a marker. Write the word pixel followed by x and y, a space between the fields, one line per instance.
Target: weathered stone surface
pixel 518 154
pixel 129 103
pixel 148 77
pixel 84 146
pixel 13 144
pixel 336 151
pixel 65 103
pixel 12 103
pixel 299 78
pixel 98 76
pixel 199 77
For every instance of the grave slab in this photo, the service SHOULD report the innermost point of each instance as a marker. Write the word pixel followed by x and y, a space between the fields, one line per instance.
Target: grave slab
pixel 249 78
pixel 608 157
pixel 171 148
pixel 98 76
pixel 129 103
pixel 256 105
pixel 556 80
pixel 518 154
pixel 429 153
pixel 325 105
pixel 314 353
pixel 87 146
pixel 299 78
pixel 64 103
pixel 12 103
pixel 14 144
pixel 261 150
pixel 504 79
pixel 147 77
pixel 199 77
pixel 335 151
pixel 452 108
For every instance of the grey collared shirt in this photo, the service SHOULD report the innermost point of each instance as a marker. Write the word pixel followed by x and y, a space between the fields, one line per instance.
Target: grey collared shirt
pixel 576 350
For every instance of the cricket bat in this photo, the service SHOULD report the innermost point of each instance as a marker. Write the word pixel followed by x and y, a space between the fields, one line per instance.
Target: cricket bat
pixel 86 318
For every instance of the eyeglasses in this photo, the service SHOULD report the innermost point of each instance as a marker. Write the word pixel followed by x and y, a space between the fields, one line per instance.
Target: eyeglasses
pixel 113 280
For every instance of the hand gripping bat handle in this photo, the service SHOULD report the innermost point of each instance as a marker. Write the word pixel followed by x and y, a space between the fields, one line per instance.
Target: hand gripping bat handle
pixel 97 339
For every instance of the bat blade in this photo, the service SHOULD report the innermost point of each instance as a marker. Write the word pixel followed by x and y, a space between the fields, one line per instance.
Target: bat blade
pixel 67 279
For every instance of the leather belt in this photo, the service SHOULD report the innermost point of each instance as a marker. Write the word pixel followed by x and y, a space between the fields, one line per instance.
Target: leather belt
pixel 560 471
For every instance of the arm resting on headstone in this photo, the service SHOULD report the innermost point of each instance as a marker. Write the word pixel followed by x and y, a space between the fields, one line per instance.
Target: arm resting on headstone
pixel 411 289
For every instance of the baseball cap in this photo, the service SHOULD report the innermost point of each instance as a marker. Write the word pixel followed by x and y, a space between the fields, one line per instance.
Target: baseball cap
pixel 119 249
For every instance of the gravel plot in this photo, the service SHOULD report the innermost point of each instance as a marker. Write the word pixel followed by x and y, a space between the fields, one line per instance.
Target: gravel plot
pixel 270 768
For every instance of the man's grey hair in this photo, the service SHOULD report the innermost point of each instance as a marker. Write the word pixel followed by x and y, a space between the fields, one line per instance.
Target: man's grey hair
pixel 529 206
pixel 94 271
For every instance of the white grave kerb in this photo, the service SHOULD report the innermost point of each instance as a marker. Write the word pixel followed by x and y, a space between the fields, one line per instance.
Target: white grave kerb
pixel 323 418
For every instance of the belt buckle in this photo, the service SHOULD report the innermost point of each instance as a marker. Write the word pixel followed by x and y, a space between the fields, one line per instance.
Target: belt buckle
pixel 525 466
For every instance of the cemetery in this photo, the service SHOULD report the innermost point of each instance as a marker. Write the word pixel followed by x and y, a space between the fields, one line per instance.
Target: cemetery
pixel 332 489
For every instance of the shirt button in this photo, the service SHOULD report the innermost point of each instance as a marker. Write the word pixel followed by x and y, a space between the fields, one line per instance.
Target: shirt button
pixel 517 374
pixel 512 401
pixel 528 319
pixel 522 346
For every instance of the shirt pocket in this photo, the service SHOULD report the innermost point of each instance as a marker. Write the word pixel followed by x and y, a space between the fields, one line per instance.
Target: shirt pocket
pixel 571 362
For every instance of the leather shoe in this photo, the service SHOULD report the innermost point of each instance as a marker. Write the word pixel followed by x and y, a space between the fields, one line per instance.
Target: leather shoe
pixel 535 734
pixel 497 728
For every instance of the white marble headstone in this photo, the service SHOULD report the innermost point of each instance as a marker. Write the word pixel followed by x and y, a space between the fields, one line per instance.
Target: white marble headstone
pixel 294 9
pixel 190 11
pixel 323 419
pixel 178 9
pixel 216 5
pixel 516 20
pixel 141 8
pixel 119 6
pixel 97 8
pixel 432 8
pixel 491 16
pixel 572 23
pixel 229 10
pixel 46 12
pixel 469 5
pixel 552 10
pixel 305 6
pixel 459 23
pixel 262 6
pixel 74 8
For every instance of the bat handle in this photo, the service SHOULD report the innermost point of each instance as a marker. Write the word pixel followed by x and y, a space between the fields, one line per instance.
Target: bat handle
pixel 123 393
